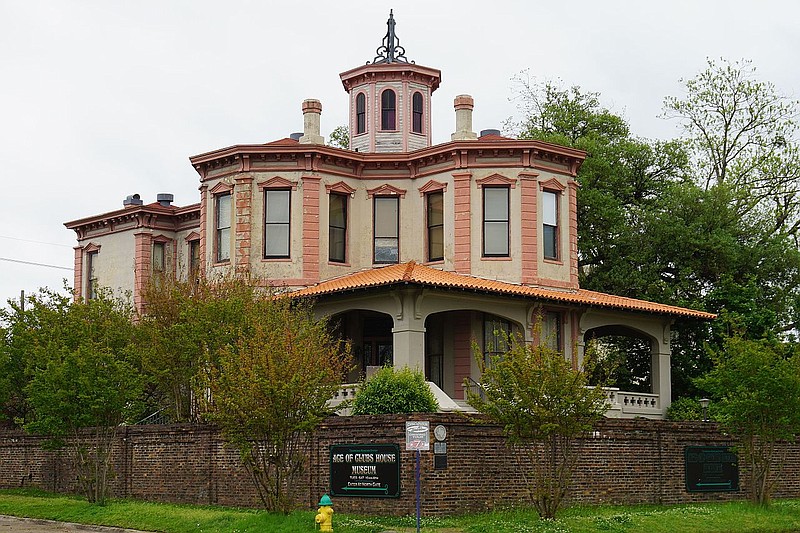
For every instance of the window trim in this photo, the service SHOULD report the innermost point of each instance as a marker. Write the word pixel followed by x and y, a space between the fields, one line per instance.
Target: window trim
pixel 218 229
pixel 429 227
pixel 506 325
pixel 385 110
pixel 344 197
pixel 556 195
pixel 361 113
pixel 417 113
pixel 288 223
pixel 559 316
pixel 160 244
pixel 91 281
pixel 193 269
pixel 376 198
pixel 507 221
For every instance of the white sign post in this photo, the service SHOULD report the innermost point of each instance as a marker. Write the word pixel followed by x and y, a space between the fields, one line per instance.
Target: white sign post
pixel 418 437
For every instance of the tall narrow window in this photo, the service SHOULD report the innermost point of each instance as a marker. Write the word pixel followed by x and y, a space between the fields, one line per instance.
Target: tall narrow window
pixel 496 334
pixel 388 106
pixel 276 223
pixel 387 229
pixel 158 257
pixel 91 274
pixel 435 221
pixel 550 224
pixel 361 113
pixel 194 259
pixel 416 105
pixel 158 261
pixel 223 228
pixel 551 330
pixel 337 228
pixel 495 221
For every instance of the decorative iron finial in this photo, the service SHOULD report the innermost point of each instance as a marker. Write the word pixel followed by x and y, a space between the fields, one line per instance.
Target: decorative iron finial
pixel 390 50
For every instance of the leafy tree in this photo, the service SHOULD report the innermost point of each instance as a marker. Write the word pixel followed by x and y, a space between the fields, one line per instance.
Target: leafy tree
pixel 269 389
pixel 186 324
pixel 649 228
pixel 624 181
pixel 544 406
pixel 743 138
pixel 84 379
pixel 393 390
pixel 340 137
pixel 736 127
pixel 756 386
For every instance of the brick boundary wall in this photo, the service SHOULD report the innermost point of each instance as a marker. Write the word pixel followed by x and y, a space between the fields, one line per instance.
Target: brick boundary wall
pixel 623 461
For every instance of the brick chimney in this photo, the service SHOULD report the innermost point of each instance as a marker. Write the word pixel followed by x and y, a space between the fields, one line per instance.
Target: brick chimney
pixel 312 110
pixel 463 104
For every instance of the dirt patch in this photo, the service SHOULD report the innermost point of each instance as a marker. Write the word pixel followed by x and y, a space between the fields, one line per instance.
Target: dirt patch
pixel 30 525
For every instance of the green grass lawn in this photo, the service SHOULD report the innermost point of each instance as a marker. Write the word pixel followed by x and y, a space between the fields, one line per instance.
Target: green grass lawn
pixel 783 516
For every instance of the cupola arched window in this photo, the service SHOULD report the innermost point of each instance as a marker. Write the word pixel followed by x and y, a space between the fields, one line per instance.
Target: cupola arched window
pixel 361 113
pixel 388 108
pixel 416 119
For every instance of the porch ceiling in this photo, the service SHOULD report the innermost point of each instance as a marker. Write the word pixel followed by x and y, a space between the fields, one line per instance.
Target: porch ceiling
pixel 413 273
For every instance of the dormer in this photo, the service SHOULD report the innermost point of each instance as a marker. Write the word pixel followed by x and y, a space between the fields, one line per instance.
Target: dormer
pixel 390 100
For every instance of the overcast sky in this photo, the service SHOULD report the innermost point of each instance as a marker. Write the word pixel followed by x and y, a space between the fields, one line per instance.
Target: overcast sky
pixel 102 99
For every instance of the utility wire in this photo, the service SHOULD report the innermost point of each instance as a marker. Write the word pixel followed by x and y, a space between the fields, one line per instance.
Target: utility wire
pixel 33 263
pixel 37 242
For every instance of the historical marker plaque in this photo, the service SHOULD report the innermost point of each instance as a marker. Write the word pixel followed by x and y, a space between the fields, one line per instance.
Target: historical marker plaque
pixel 365 470
pixel 711 469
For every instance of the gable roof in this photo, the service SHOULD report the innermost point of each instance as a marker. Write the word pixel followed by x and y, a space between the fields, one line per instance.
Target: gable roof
pixel 413 273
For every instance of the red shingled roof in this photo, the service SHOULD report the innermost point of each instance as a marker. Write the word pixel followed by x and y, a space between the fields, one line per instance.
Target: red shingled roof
pixel 494 137
pixel 422 275
pixel 283 142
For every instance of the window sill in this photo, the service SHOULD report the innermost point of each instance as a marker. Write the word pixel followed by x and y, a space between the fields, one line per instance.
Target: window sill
pixel 221 263
pixel 553 261
pixel 276 259
pixel 434 262
pixel 499 258
pixel 338 264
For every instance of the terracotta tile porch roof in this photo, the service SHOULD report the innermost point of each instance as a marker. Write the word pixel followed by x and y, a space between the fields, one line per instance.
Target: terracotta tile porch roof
pixel 414 273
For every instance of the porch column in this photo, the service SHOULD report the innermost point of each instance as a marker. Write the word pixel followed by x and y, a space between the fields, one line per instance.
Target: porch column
pixel 662 377
pixel 408 333
pixel 409 346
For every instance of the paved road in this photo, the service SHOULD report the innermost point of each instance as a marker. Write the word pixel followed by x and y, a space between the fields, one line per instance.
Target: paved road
pixel 10 524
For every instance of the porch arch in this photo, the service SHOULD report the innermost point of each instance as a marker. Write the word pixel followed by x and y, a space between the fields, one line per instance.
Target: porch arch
pixel 651 331
pixel 634 372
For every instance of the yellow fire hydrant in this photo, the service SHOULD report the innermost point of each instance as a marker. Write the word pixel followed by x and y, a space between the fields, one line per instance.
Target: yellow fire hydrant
pixel 325 514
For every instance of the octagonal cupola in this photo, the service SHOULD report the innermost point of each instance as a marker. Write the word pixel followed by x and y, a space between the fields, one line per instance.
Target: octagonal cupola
pixel 390 100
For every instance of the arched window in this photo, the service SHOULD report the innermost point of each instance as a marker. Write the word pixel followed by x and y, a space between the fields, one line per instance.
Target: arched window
pixel 361 113
pixel 388 106
pixel 416 122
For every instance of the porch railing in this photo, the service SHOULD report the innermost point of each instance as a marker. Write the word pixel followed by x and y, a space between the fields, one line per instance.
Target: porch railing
pixel 624 404
pixel 621 404
pixel 345 392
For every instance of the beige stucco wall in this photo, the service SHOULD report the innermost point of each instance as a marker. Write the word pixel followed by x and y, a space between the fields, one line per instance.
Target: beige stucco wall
pixel 413 230
pixel 115 266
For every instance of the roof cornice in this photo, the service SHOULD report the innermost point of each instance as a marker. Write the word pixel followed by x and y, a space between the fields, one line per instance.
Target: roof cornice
pixel 379 72
pixel 308 156
pixel 144 216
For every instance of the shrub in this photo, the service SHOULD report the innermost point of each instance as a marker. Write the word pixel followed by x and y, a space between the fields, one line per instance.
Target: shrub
pixel 395 391
pixel 688 408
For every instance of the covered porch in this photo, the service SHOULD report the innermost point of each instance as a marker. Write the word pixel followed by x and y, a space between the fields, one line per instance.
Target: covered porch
pixel 439 322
